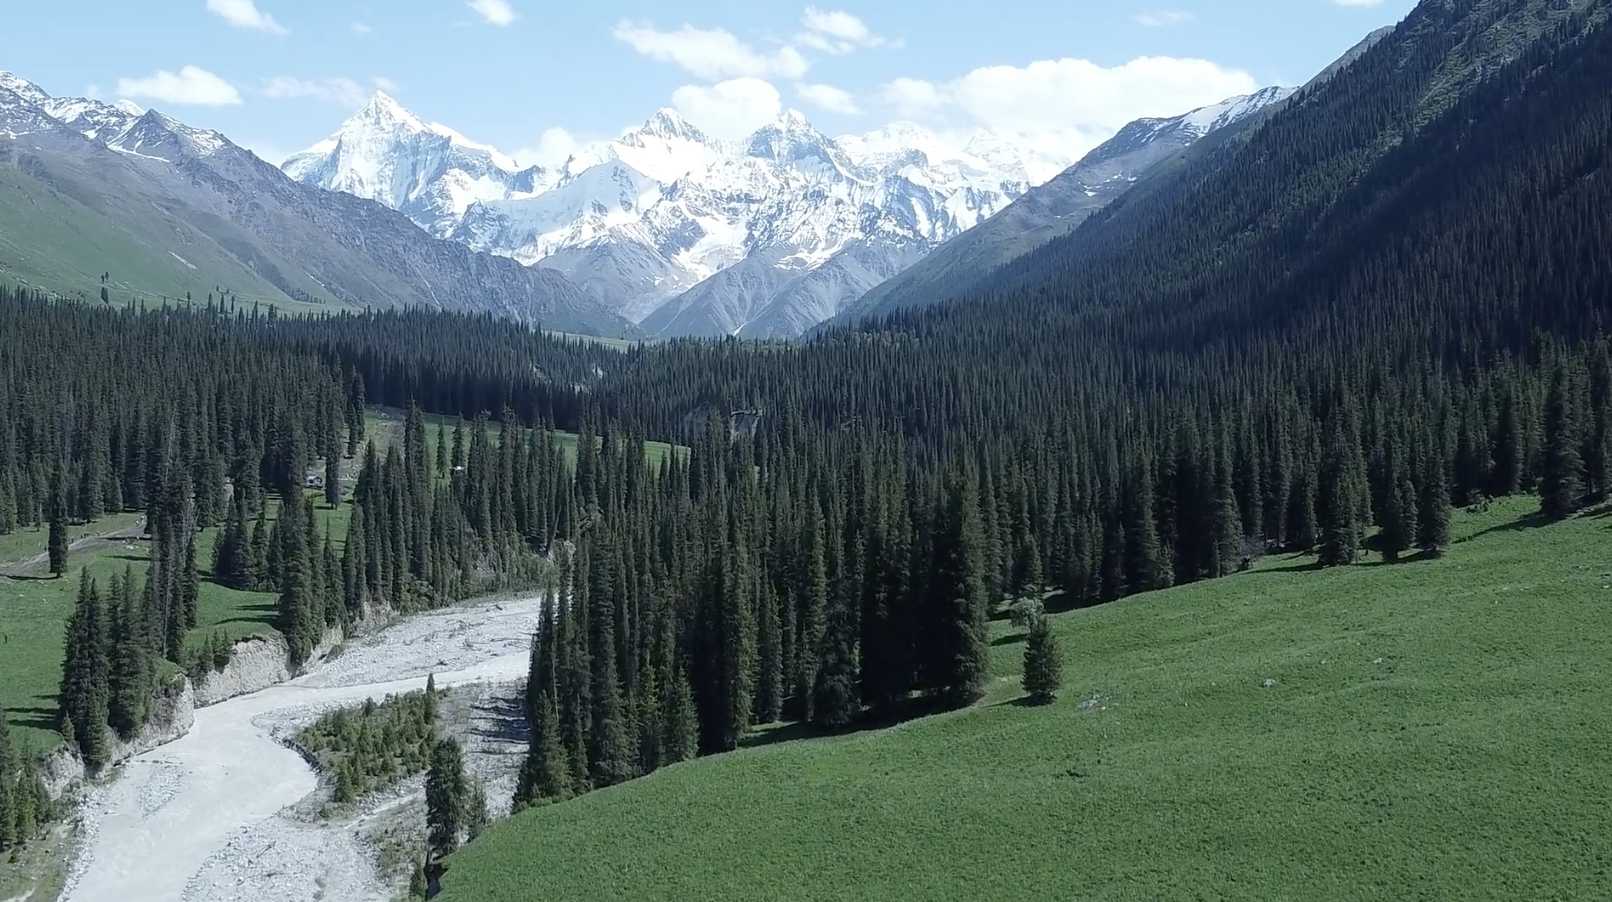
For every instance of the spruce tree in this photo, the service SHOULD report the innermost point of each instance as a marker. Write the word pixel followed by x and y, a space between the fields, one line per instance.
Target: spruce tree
pixel 838 700
pixel 546 774
pixel 680 723
pixel 131 665
pixel 1145 569
pixel 1043 663
pixel 57 514
pixel 476 809
pixel 1561 486
pixel 961 652
pixel 446 797
pixel 85 685
pixel 769 651
pixel 1433 516
pixel 1340 536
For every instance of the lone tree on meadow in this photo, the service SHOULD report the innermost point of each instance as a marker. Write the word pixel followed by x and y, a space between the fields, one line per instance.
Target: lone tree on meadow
pixel 57 514
pixel 1043 662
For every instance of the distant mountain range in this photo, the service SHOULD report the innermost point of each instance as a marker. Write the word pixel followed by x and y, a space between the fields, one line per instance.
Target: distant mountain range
pixel 663 231
pixel 765 237
pixel 671 228
pixel 163 209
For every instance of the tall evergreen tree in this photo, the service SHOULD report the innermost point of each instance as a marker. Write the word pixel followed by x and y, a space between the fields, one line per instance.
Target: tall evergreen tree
pixel 1043 663
pixel 57 515
pixel 446 794
pixel 1561 485
pixel 961 650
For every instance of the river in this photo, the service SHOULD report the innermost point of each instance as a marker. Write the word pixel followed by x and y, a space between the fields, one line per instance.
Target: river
pixel 196 819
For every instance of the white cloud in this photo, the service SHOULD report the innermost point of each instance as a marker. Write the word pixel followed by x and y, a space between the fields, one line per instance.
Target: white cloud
pixel 553 148
pixel 913 97
pixel 1163 18
pixel 710 53
pixel 245 14
pixel 361 28
pixel 837 32
pixel 498 13
pixel 340 91
pixel 383 83
pixel 829 99
pixel 1057 110
pixel 729 109
pixel 191 85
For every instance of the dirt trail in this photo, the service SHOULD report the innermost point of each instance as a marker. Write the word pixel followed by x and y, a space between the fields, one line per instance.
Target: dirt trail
pixel 37 564
pixel 197 819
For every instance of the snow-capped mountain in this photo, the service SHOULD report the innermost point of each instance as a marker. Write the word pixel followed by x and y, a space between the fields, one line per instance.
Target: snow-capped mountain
pixel 168 209
pixel 1056 208
pixel 682 233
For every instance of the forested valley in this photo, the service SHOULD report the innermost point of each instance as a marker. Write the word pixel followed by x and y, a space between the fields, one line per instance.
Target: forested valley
pixel 1339 350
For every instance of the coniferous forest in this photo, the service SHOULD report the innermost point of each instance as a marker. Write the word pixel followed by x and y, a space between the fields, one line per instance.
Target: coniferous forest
pixel 1331 354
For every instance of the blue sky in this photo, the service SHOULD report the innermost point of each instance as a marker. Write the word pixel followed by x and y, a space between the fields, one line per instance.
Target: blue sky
pixel 535 77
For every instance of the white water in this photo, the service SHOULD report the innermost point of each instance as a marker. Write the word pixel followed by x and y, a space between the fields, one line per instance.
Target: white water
pixel 191 819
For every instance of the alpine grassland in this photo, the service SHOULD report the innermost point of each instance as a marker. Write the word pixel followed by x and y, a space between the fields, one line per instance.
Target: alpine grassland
pixel 1435 728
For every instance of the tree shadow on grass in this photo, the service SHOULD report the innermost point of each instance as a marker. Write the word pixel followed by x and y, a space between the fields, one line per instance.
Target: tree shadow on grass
pixel 913 709
pixel 1416 558
pixel 1024 701
pixel 1525 522
pixel 1009 639
pixel 1310 567
pixel 37 717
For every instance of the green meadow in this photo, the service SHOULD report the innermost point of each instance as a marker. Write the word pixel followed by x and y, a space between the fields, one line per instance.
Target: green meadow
pixel 1432 729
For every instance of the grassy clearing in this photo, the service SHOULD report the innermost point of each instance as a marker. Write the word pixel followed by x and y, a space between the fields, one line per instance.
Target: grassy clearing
pixel 34 609
pixel 385 427
pixel 1435 729
pixel 615 344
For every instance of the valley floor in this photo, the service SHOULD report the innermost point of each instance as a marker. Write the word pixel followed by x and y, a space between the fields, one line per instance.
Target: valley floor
pixel 1429 729
pixel 211 817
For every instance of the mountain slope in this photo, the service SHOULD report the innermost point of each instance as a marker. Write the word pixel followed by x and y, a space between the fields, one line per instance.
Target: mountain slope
pixel 1378 713
pixel 1469 118
pixel 1052 210
pixel 168 209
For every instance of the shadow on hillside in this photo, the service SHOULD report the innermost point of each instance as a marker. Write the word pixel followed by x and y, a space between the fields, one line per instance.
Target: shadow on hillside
pixel 1023 701
pixel 1309 567
pixel 39 718
pixel 254 613
pixel 32 578
pixel 915 708
pixel 1525 522
pixel 1009 639
pixel 1418 557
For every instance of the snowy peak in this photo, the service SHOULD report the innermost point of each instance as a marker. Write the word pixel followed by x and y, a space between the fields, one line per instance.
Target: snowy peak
pixel 23 88
pixel 383 110
pixel 668 125
pixel 793 140
pixel 386 153
pixel 1214 117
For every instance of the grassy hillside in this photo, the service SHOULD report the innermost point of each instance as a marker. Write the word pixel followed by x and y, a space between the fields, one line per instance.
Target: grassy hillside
pixel 61 237
pixel 1433 729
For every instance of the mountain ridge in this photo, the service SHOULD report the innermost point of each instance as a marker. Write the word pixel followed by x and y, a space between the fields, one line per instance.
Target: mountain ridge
pixel 651 221
pixel 186 210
